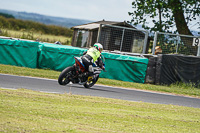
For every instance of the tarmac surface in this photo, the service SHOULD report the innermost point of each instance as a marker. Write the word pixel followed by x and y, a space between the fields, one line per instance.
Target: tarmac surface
pixel 52 86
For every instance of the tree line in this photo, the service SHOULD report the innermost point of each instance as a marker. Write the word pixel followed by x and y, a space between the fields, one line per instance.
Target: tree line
pixel 6 15
pixel 17 24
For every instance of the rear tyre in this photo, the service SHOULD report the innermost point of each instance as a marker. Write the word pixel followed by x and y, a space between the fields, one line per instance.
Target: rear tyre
pixel 64 77
pixel 91 83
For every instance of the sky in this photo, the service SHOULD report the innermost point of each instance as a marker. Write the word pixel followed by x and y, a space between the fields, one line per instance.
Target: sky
pixel 94 10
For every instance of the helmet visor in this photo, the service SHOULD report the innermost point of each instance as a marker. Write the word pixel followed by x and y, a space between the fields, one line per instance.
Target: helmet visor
pixel 100 49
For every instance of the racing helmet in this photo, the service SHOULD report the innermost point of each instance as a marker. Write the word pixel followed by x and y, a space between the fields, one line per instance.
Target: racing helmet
pixel 99 47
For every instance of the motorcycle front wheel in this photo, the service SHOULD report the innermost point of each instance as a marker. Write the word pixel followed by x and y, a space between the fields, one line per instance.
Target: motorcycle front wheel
pixel 64 76
pixel 91 83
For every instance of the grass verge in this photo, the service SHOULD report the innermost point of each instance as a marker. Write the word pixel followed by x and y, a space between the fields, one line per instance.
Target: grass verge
pixel 175 89
pixel 30 111
pixel 30 35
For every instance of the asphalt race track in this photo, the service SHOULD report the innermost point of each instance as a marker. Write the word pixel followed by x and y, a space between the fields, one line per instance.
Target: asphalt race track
pixel 52 86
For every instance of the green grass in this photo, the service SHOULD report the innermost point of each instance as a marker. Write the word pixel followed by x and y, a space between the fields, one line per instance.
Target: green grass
pixel 175 89
pixel 35 35
pixel 29 111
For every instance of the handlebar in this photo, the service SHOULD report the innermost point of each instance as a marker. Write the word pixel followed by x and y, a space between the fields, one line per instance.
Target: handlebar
pixel 99 69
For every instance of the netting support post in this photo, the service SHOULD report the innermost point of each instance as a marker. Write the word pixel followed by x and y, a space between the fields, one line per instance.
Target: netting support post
pixel 198 51
pixel 145 42
pixel 99 33
pixel 154 42
pixel 122 40
pixel 177 44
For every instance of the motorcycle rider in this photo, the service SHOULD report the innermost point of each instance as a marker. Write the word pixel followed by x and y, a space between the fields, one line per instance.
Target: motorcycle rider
pixel 93 55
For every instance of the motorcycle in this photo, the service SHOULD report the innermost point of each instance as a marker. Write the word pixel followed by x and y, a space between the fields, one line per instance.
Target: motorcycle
pixel 77 74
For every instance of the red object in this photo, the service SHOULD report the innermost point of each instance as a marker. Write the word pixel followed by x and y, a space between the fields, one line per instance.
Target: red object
pixel 79 64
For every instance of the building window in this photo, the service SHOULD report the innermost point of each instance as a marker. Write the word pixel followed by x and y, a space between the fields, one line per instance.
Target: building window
pixel 82 38
pixel 118 41
pixel 137 45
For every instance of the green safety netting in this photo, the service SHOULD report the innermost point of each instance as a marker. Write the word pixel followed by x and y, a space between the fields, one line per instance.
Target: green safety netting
pixel 18 53
pixel 125 68
pixel 58 57
pixel 120 67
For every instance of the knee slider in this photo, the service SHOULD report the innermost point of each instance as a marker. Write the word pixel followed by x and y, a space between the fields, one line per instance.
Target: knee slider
pixel 90 69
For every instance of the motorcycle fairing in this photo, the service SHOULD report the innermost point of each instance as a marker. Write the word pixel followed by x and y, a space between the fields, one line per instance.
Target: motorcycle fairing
pixel 79 62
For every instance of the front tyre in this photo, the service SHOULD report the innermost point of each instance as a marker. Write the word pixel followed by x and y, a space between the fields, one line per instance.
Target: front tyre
pixel 91 83
pixel 64 77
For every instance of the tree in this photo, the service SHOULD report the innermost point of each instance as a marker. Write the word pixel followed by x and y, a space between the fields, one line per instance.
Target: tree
pixel 166 14
pixel 6 15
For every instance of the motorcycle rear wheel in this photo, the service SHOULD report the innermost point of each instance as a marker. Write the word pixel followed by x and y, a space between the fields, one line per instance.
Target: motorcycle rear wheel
pixel 64 76
pixel 91 83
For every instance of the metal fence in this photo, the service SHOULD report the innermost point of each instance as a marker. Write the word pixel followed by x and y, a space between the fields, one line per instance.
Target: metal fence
pixel 176 44
pixel 123 39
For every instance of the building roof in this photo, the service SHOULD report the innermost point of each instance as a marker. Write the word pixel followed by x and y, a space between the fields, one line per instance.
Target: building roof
pixel 95 25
